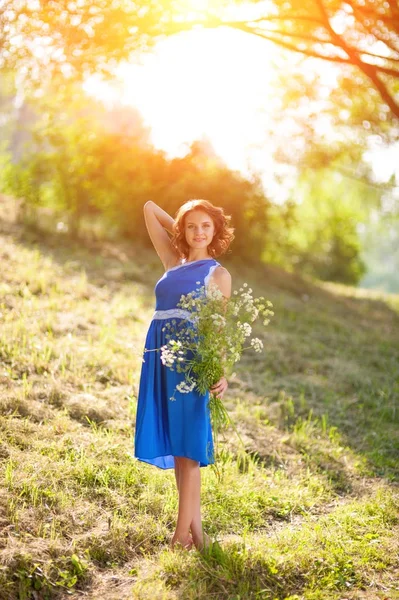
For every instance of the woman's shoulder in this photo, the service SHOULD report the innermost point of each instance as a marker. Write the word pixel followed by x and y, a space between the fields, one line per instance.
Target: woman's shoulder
pixel 221 273
pixel 222 278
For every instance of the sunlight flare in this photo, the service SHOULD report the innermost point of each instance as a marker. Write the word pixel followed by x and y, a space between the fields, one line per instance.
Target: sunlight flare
pixel 212 84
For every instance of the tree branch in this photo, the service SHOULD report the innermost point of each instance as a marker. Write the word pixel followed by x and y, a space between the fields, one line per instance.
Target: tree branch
pixel 369 70
pixel 287 17
pixel 380 38
pixel 372 28
pixel 372 13
pixel 309 52
pixel 329 41
pixel 334 40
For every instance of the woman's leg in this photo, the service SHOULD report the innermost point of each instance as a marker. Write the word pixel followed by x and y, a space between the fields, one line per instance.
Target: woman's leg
pixel 177 474
pixel 188 481
pixel 196 529
pixel 199 537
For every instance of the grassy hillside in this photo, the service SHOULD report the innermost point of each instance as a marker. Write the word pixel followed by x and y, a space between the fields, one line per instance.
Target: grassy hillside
pixel 308 510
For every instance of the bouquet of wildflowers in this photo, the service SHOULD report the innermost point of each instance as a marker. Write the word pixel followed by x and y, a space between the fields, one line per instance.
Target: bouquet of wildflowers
pixel 207 344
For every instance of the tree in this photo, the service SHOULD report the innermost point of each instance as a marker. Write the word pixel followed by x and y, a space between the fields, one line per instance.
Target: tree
pixel 346 32
pixel 84 162
pixel 67 38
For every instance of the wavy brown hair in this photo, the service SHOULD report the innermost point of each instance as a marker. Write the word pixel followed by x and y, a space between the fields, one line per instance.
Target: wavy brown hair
pixel 222 238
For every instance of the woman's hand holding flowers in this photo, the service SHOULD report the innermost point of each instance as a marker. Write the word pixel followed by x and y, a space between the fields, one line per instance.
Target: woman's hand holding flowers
pixel 219 387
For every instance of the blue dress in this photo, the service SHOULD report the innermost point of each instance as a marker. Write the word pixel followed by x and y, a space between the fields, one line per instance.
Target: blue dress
pixel 166 428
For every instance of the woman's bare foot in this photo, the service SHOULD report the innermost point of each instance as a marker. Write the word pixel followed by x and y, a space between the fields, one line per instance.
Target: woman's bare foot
pixel 204 543
pixel 186 544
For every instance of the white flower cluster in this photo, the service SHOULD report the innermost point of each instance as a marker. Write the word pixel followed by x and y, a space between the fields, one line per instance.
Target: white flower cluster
pixel 189 301
pixel 245 328
pixel 252 306
pixel 213 293
pixel 218 319
pixel 169 354
pixel 214 335
pixel 185 387
pixel 257 344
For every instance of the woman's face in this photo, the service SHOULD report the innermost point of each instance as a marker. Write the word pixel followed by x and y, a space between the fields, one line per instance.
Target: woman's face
pixel 199 229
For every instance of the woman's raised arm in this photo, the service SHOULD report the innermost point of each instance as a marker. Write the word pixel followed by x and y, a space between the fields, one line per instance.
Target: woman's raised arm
pixel 158 223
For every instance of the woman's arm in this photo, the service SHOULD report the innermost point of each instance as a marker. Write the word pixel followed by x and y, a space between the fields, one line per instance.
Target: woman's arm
pixel 221 278
pixel 158 223
pixel 162 216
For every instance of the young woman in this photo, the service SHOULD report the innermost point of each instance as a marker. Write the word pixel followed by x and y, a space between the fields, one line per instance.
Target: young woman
pixel 177 433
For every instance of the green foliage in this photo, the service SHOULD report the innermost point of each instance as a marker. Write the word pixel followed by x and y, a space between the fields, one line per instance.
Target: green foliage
pixel 380 243
pixel 318 561
pixel 79 166
pixel 325 240
pixel 26 578
pixel 82 169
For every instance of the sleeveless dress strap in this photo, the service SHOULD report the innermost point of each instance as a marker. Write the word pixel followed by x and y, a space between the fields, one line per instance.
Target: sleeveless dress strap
pixel 208 277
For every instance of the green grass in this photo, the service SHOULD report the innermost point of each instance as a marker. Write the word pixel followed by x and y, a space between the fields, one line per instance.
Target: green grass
pixel 306 508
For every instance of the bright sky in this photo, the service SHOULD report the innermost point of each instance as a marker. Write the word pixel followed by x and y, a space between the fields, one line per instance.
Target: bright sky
pixel 203 83
pixel 212 83
pixel 209 83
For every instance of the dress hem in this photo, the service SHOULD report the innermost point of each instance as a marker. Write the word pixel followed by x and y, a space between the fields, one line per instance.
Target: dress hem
pixel 149 458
